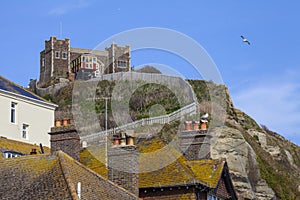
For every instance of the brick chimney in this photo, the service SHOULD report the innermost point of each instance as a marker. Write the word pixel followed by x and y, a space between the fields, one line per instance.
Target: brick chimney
pixel 195 143
pixel 66 139
pixel 123 164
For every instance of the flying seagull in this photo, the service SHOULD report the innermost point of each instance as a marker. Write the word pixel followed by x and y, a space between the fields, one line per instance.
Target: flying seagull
pixel 245 40
pixel 205 116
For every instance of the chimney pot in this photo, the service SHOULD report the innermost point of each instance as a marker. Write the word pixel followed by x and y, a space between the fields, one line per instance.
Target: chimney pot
pixel 196 125
pixel 130 140
pixel 188 125
pixel 57 123
pixel 204 124
pixel 116 141
pixel 65 122
pixel 33 152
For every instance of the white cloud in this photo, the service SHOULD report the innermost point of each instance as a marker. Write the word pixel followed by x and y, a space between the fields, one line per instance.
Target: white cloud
pixel 69 6
pixel 275 104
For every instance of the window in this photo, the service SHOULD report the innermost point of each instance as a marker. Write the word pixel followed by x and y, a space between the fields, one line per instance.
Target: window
pixel 25 128
pixel 86 65
pixel 43 62
pixel 83 59
pixel 13 112
pixel 94 59
pixel 122 64
pixel 212 197
pixel 11 155
pixel 57 54
pixel 64 55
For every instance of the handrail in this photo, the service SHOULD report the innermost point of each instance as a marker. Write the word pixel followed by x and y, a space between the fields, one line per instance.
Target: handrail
pixel 189 109
pixel 186 110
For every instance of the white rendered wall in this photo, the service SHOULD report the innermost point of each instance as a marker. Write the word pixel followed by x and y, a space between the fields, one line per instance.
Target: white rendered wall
pixel 39 117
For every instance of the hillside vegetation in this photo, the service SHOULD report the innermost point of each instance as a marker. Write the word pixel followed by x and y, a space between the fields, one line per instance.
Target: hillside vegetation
pixel 269 166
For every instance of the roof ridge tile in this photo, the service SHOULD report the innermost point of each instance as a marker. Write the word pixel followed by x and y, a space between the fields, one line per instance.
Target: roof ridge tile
pixel 62 154
pixel 67 176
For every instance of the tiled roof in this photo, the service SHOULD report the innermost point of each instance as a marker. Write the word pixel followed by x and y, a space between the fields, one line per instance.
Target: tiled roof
pixel 32 177
pixel 9 86
pixel 20 147
pixel 54 177
pixel 169 173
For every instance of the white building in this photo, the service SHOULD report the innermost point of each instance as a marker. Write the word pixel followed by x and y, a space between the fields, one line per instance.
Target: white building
pixel 24 116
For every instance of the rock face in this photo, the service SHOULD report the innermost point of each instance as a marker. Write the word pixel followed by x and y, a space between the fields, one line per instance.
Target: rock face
pixel 229 143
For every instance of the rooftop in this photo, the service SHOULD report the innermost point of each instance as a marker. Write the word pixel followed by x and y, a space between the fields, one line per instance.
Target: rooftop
pixel 8 86
pixel 178 172
pixel 20 147
pixel 54 177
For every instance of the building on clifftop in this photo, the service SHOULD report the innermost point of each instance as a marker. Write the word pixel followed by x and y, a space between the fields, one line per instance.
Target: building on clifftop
pixel 60 60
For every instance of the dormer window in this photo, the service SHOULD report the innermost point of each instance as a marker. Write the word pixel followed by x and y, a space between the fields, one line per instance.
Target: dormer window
pixel 11 154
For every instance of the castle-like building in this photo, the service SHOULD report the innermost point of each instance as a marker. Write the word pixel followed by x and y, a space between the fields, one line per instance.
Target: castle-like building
pixel 60 60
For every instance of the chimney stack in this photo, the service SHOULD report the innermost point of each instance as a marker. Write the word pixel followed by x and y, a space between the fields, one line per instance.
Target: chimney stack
pixel 66 139
pixel 195 143
pixel 123 163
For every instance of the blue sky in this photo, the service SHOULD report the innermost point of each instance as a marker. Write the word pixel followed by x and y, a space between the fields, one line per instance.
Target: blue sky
pixel 263 78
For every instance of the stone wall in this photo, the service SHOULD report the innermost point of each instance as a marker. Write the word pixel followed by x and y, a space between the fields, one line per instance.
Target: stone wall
pixel 60 65
pixel 50 66
pixel 117 53
pixel 52 89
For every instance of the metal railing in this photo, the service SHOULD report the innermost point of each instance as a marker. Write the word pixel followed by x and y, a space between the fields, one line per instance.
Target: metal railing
pixel 189 109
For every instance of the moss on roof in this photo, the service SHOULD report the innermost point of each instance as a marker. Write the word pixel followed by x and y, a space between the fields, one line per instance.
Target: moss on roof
pixel 93 185
pixel 54 177
pixel 160 165
pixel 21 147
pixel 94 158
pixel 173 168
pixel 39 177
pixel 208 171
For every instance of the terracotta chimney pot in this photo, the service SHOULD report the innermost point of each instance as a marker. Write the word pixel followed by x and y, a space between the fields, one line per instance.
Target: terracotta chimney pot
pixel 196 125
pixel 65 122
pixel 57 123
pixel 188 125
pixel 130 141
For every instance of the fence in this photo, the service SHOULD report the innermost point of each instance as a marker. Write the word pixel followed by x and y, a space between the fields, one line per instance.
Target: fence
pixel 178 114
pixel 171 81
